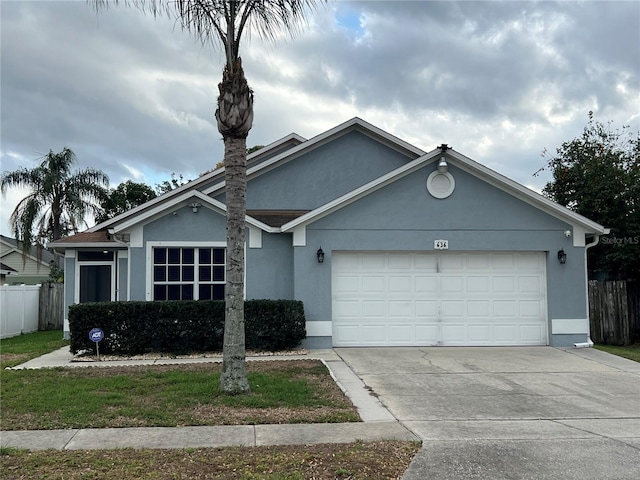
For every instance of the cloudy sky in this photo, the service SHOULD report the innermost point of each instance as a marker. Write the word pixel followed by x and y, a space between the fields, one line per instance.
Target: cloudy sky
pixel 135 96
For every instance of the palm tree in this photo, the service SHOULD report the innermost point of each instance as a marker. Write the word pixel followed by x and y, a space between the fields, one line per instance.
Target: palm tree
pixel 59 200
pixel 225 22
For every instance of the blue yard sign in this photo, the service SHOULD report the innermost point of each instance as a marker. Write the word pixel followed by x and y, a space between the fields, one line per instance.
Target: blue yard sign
pixel 95 335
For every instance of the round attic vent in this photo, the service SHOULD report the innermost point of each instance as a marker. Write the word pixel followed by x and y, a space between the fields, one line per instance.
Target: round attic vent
pixel 440 185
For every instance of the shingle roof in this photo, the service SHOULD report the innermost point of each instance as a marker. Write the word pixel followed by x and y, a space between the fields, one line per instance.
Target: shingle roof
pixel 101 236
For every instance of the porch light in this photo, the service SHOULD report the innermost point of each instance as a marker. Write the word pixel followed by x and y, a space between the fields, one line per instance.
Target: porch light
pixel 320 255
pixel 194 206
pixel 562 257
pixel 442 166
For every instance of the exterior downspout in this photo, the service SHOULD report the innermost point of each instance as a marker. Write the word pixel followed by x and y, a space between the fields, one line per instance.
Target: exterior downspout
pixel 589 342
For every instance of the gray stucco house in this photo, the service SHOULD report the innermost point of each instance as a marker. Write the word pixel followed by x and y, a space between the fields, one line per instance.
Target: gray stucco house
pixel 418 248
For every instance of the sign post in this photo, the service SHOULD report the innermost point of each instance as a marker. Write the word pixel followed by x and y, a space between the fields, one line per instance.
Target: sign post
pixel 95 335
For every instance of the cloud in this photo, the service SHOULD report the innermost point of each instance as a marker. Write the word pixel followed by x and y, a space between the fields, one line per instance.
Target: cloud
pixel 135 96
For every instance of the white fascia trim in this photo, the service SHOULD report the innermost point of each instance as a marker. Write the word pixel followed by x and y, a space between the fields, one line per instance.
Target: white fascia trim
pixel 101 245
pixel 320 140
pixel 362 191
pixel 193 184
pixel 276 144
pixel 523 193
pixel 184 198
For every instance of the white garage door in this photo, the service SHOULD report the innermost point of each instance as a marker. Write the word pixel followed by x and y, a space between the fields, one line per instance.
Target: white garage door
pixel 382 298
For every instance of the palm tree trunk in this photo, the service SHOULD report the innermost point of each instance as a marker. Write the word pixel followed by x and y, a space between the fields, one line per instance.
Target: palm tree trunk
pixel 235 117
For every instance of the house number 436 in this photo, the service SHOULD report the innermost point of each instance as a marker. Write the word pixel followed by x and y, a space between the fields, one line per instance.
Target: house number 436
pixel 441 244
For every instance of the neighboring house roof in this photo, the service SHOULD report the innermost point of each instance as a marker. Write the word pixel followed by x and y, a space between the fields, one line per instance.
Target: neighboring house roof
pixel 6 269
pixel 45 257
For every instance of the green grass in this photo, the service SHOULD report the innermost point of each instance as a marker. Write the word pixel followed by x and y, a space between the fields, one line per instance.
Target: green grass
pixel 632 352
pixel 281 392
pixel 17 350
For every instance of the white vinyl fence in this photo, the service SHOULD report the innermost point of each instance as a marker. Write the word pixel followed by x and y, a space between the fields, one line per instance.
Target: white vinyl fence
pixel 18 309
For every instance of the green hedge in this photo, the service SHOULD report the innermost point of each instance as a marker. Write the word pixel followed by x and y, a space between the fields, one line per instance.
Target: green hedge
pixel 183 326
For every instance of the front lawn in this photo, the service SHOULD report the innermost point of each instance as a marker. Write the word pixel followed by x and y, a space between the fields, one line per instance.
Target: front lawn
pixel 372 460
pixel 632 352
pixel 293 391
pixel 17 350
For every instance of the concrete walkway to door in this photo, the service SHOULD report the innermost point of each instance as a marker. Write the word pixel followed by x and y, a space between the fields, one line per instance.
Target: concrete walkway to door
pixel 516 413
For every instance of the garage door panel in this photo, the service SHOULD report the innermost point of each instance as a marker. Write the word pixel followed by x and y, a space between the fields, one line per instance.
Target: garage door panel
pixel 401 309
pixel 373 284
pixel 531 334
pixel 529 308
pixel 454 334
pixel 426 284
pixel 426 308
pixel 451 284
pixel 347 283
pixel 506 334
pixel 348 309
pixel 504 284
pixel 371 261
pixel 478 284
pixel 478 308
pixel 399 261
pixel 530 284
pixel 374 308
pixel 400 283
pixel 374 334
pixel 402 334
pixel 426 334
pixel 349 334
pixel 447 298
pixel 452 308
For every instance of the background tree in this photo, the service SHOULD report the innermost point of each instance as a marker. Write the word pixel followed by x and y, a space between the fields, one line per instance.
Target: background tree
pixel 225 22
pixel 123 198
pixel 59 201
pixel 598 175
pixel 168 185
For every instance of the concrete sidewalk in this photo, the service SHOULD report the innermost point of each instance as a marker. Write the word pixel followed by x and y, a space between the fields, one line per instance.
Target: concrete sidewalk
pixel 378 423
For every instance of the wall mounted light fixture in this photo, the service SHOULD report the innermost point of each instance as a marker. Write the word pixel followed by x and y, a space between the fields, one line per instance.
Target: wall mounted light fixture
pixel 320 255
pixel 567 233
pixel 195 206
pixel 562 257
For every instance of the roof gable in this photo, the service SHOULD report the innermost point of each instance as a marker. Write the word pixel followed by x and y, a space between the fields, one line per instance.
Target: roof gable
pixel 355 124
pixel 466 164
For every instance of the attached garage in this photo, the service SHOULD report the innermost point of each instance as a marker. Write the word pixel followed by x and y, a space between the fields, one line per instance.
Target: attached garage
pixel 444 298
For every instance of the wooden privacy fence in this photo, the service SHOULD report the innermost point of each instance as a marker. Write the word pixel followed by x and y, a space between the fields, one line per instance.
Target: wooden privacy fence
pixel 51 312
pixel 614 312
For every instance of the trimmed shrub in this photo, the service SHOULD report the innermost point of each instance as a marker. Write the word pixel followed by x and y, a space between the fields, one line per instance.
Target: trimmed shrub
pixel 179 327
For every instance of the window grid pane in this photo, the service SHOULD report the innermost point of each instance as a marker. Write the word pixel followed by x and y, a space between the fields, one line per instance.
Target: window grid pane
pixel 174 273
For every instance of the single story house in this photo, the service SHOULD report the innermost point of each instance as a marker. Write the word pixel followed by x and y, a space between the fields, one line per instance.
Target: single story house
pixel 386 245
pixel 18 269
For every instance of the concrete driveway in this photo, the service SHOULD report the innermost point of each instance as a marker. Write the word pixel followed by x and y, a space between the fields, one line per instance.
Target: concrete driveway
pixel 510 413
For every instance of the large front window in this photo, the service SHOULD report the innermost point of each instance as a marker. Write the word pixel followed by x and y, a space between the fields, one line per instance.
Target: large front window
pixel 188 273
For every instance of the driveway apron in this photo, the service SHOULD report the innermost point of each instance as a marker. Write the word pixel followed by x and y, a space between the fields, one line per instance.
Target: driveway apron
pixel 510 412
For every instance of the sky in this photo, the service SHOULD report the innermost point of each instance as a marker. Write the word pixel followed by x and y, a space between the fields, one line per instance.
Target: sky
pixel 135 96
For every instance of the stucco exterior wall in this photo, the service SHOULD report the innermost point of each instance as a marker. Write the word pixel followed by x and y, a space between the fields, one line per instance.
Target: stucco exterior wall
pixel 476 217
pixel 323 174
